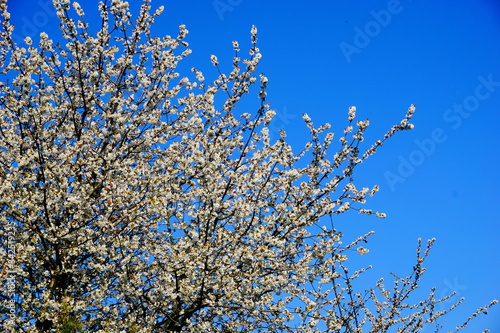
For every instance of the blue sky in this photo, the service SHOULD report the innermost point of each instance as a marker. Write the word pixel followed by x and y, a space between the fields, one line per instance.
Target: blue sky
pixel 439 180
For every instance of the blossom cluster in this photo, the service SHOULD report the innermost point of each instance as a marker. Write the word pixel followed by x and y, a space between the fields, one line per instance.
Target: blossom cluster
pixel 145 201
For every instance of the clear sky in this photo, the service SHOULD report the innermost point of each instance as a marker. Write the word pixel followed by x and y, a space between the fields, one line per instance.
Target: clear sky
pixel 439 180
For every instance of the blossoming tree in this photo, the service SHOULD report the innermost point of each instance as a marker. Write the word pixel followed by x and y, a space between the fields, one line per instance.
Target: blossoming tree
pixel 134 198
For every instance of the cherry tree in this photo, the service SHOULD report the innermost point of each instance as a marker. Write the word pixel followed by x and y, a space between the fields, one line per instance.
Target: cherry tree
pixel 135 198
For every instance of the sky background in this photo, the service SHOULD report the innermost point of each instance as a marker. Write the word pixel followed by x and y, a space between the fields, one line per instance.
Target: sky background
pixel 439 180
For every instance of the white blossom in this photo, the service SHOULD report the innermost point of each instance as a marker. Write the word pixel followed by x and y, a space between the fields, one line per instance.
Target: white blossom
pixel 136 200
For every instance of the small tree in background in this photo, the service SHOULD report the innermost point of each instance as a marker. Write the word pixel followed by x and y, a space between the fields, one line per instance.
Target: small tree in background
pixel 134 198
